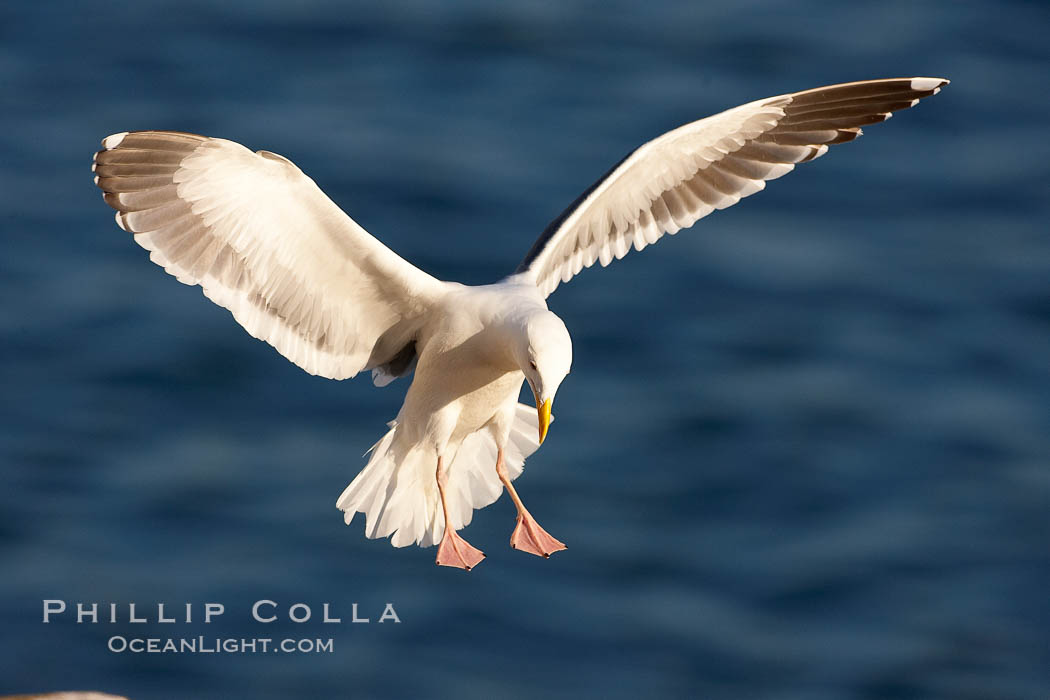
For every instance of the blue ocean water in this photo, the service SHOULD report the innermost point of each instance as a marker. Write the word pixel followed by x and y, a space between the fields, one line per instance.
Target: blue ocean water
pixel 804 449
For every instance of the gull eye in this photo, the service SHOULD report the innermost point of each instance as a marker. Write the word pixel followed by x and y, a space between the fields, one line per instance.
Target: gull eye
pixel 532 363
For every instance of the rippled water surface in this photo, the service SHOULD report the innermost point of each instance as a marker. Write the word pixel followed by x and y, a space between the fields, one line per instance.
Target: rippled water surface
pixel 804 449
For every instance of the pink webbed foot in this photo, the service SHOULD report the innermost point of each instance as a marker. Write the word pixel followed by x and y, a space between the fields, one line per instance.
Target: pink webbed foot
pixel 530 537
pixel 456 551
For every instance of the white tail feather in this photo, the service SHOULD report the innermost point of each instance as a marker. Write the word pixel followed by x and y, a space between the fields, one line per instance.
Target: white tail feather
pixel 397 489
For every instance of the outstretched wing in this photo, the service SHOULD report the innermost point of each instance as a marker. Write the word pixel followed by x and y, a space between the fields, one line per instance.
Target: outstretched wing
pixel 265 242
pixel 676 179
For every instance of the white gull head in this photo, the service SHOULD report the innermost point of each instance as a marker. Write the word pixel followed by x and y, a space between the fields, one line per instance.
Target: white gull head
pixel 544 354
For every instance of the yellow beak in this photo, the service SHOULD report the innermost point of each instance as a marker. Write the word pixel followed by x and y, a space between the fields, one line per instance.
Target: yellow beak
pixel 544 412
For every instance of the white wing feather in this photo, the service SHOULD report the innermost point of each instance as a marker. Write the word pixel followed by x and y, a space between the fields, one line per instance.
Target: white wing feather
pixel 265 242
pixel 682 176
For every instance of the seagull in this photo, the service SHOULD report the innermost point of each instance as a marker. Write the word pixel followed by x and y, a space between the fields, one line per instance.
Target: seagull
pixel 263 241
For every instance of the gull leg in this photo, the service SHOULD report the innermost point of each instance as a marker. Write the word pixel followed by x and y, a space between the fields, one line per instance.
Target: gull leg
pixel 528 535
pixel 453 550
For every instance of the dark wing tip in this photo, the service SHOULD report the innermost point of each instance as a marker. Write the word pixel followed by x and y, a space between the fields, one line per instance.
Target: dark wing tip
pixel 134 160
pixel 887 89
pixel 835 113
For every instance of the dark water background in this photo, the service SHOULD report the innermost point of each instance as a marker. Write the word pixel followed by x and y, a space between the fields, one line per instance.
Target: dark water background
pixel 804 449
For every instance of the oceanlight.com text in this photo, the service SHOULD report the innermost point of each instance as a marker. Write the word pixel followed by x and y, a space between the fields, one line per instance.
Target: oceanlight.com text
pixel 218 645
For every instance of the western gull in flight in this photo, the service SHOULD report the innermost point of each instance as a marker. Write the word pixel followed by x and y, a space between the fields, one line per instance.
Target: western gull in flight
pixel 262 240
